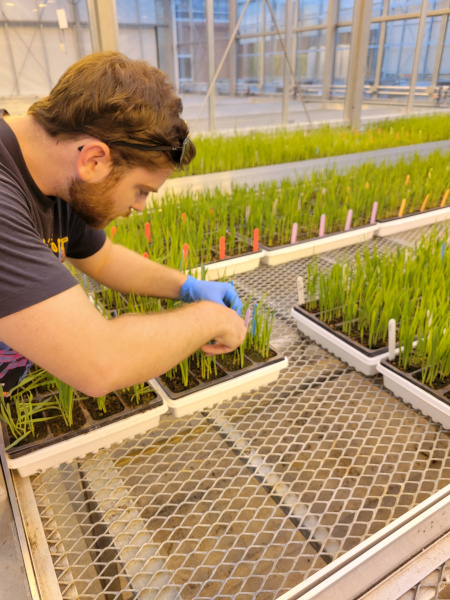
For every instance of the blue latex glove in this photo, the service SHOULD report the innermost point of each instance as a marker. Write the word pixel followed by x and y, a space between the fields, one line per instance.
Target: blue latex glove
pixel 215 291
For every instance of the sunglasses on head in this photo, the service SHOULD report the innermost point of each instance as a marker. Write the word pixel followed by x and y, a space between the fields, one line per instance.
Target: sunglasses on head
pixel 178 153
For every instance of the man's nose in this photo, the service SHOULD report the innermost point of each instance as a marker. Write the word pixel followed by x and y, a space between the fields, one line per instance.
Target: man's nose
pixel 139 205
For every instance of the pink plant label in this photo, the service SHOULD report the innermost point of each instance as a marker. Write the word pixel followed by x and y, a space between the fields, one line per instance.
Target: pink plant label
pixel 113 231
pixel 373 216
pixel 148 234
pixel 184 217
pixel 294 233
pixel 348 222
pixel 247 317
pixel 185 251
pixel 255 240
pixel 222 248
pixel 322 226
pixel 145 255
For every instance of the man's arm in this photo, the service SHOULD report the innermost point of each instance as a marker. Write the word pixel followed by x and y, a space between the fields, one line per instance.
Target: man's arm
pixel 123 270
pixel 68 337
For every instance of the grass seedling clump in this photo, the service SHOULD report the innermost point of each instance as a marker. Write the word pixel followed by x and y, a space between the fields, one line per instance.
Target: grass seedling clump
pixel 359 298
pixel 256 149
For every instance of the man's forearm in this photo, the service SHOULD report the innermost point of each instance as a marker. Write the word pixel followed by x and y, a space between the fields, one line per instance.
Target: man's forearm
pixel 123 270
pixel 68 337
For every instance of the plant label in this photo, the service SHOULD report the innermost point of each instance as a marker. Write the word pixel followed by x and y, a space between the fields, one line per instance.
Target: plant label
pixel 301 290
pixel 391 339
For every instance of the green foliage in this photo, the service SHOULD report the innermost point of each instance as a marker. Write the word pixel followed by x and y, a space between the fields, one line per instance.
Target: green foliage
pixel 201 219
pixel 256 149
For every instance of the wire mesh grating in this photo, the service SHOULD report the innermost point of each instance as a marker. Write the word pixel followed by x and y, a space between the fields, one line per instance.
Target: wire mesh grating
pixel 245 500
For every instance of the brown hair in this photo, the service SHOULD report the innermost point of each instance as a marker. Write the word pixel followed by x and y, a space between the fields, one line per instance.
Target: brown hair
pixel 114 98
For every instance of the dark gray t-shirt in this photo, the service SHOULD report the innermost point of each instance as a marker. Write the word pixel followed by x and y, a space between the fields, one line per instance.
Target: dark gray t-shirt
pixel 37 232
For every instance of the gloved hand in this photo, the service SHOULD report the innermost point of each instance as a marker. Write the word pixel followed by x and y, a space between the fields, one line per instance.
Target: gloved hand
pixel 215 291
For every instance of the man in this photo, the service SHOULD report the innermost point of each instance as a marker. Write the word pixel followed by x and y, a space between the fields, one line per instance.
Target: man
pixel 109 133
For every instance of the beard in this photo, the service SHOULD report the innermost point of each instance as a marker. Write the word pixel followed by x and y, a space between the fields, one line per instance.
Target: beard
pixel 93 202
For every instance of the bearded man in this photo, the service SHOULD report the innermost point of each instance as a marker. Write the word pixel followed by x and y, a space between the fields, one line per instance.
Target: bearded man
pixel 109 133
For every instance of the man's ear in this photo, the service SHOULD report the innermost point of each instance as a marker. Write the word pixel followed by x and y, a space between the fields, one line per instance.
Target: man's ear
pixel 94 162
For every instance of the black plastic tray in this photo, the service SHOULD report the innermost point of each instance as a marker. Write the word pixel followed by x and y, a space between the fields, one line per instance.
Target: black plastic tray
pixel 90 425
pixel 228 375
pixel 439 394
pixel 354 344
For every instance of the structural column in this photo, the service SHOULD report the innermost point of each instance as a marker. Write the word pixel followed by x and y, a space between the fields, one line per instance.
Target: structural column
pixel 362 14
pixel 330 49
pixel 380 53
pixel 440 50
pixel 286 70
pixel 415 68
pixel 104 30
pixel 209 10
pixel 232 65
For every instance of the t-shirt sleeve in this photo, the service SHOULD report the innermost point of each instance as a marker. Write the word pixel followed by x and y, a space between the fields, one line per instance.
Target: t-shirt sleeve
pixel 29 271
pixel 84 241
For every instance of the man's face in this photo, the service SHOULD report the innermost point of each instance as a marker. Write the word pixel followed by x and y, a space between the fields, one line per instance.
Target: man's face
pixel 100 203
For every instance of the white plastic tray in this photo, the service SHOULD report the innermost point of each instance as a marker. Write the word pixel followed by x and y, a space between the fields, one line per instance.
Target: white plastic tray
pixel 412 221
pixel 230 266
pixel 76 447
pixel 334 344
pixel 225 390
pixel 327 243
pixel 413 394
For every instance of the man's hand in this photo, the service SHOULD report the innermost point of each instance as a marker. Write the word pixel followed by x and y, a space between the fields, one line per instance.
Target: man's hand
pixel 232 331
pixel 221 293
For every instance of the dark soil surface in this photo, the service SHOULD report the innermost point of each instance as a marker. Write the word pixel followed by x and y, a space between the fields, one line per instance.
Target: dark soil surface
pixel 229 362
pixel 113 406
pixel 410 369
pixel 196 371
pixel 175 384
pixel 145 398
pixel 437 384
pixel 257 357
pixel 40 432
pixel 58 426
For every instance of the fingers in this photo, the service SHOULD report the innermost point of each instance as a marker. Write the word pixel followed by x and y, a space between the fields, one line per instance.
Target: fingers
pixel 232 300
pixel 215 349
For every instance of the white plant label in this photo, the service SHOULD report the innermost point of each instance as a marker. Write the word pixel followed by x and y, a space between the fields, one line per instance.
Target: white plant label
pixel 391 339
pixel 300 290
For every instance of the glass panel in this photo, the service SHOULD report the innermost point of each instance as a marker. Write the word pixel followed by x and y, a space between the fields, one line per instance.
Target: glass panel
pixel 147 11
pixel 33 59
pixel 273 65
pixel 221 11
pixel 374 37
pixel 403 7
pixel 377 8
pixel 342 55
pixel 252 19
pixel 279 11
pixel 310 56
pixel 184 68
pixel 345 10
pixel 249 65
pixel 312 12
pixel 198 10
pixel 126 12
pixel 444 69
pixel 191 36
pixel 399 49
pixel 190 9
pixel 428 50
pixel 182 9
pixel 437 4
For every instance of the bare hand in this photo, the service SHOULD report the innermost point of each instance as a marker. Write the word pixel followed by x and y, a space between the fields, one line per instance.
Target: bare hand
pixel 232 337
